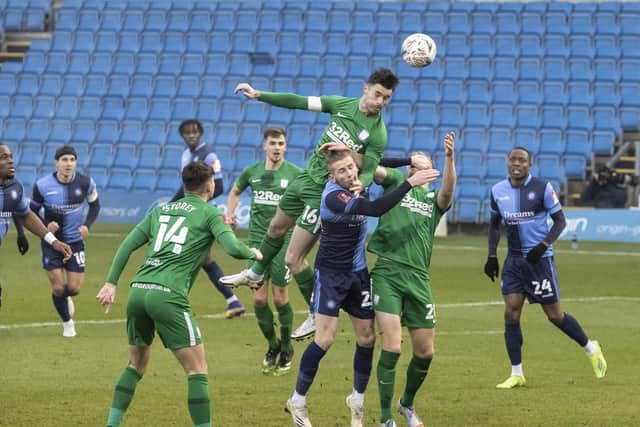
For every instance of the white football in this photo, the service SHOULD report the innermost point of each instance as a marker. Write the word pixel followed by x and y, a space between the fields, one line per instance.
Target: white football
pixel 418 50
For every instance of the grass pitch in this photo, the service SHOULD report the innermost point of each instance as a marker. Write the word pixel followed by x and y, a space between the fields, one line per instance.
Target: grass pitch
pixel 48 380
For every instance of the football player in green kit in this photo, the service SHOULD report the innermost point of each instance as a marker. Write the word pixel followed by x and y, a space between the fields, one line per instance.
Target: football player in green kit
pixel 179 235
pixel 268 180
pixel 401 283
pixel 355 123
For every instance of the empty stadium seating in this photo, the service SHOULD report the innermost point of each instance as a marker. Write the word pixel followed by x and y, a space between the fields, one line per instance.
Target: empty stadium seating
pixel 558 78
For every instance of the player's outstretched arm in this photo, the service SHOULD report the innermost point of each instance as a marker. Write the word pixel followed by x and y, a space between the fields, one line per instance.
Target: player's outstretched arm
pixel 559 223
pixel 285 100
pixel 445 195
pixel 232 204
pixel 234 247
pixel 135 239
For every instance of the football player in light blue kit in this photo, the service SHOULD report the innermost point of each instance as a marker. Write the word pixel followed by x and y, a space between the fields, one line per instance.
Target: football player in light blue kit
pixel 524 203
pixel 61 196
pixel 191 131
pixel 14 204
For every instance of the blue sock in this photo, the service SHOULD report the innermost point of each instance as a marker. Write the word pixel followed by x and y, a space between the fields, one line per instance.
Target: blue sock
pixel 572 328
pixel 513 340
pixel 60 303
pixel 308 367
pixel 215 273
pixel 362 361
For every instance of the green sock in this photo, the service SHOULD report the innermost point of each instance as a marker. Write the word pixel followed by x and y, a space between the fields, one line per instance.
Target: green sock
pixel 269 247
pixel 264 315
pixel 198 400
pixel 386 377
pixel 285 316
pixel 305 280
pixel 122 396
pixel 416 373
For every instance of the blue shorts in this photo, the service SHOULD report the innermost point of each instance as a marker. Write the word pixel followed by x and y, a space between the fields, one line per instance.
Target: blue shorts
pixel 539 282
pixel 350 291
pixel 52 259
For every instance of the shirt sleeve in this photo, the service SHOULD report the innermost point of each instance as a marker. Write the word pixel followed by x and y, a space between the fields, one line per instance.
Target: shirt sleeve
pixel 551 201
pixel 22 208
pixel 325 104
pixel 393 179
pixel 339 201
pixel 494 206
pixel 92 192
pixel 213 161
pixel 243 180
pixel 36 199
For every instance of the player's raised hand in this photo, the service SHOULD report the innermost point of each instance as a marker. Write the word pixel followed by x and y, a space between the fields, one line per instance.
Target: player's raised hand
pixel 356 187
pixel 492 268
pixel 63 248
pixel 247 91
pixel 449 144
pixel 107 296
pixel 423 176
pixel 53 226
pixel 84 231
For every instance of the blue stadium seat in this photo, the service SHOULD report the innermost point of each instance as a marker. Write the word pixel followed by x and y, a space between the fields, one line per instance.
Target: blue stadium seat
pixel 580 94
pixel 606 23
pixel 224 21
pixel 500 141
pixel 231 110
pixel 14 130
pixel 549 167
pixel 629 70
pixel 208 108
pixel 603 142
pixel 554 93
pixel 154 134
pixel 297 156
pixel 179 20
pixel 168 180
pixel 255 112
pixel 66 108
pixel 580 70
pixel 149 156
pixel 334 87
pixel 411 23
pixel 242 42
pixel 478 91
pixel 83 41
pixel 250 134
pixel 284 116
pixel 293 20
pixel 151 42
pixel 107 131
pixel 144 180
pixel 363 22
pixel 310 66
pixel 171 158
pixel 482 23
pixel 426 114
pixel 133 20
pixel 60 131
pixel 90 108
pixel 267 42
pixel 530 69
pixel 579 118
pixel 386 22
pixel 34 62
pixel 113 108
pixel 131 131
pixel 605 118
pixel 83 131
pixel 502 115
pixel 270 20
pixel 7 84
pixel 505 68
pixel 456 45
pixel 62 42
pixel 67 19
pixel 299 136
pixel 88 20
pixel 101 63
pixel 554 117
pixel 552 142
pixel 101 156
pixel 582 23
pixel 555 69
pixel 71 85
pixel 527 138
pixel 245 156
pixel 529 92
pixel 476 115
pixel 291 43
pixel 106 41
pixel 38 131
pixel 532 23
pixel 340 22
pixel 400 114
pixel 470 187
pixel 629 118
pixel 130 42
pixel 481 46
pixel 474 139
pixel 165 86
pixel 384 44
pixel 555 46
pixel 22 107
pixel 629 47
pixel 119 179
pixel 159 109
pixel 156 21
pixel 333 66
pixel 183 109
pixel 531 46
pixel 226 133
pixel 528 116
pixel 398 138
pixel 556 23
pixel 629 23
pixel 125 156
pixel 467 210
pixel 455 68
pixel 606 70
pixel 581 46
pixel 422 139
pixel 472 166
pixel 504 92
pixel 480 68
pixel 246 20
pixel 574 166
pixel 578 143
pixel 507 23
pixel 197 42
pixel 358 67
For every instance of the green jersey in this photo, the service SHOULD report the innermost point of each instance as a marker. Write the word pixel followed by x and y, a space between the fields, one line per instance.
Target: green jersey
pixel 180 235
pixel 405 233
pixel 348 125
pixel 267 186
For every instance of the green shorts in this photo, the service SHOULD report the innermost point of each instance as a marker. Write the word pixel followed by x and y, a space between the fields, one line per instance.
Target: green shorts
pixel 277 271
pixel 406 292
pixel 152 308
pixel 301 200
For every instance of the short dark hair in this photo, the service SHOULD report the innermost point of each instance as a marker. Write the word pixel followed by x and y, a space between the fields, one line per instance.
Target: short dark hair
pixel 523 149
pixel 273 132
pixel 385 77
pixel 188 122
pixel 65 150
pixel 195 175
pixel 335 156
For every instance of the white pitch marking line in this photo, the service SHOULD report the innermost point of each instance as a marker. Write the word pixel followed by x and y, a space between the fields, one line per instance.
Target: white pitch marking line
pixel 221 316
